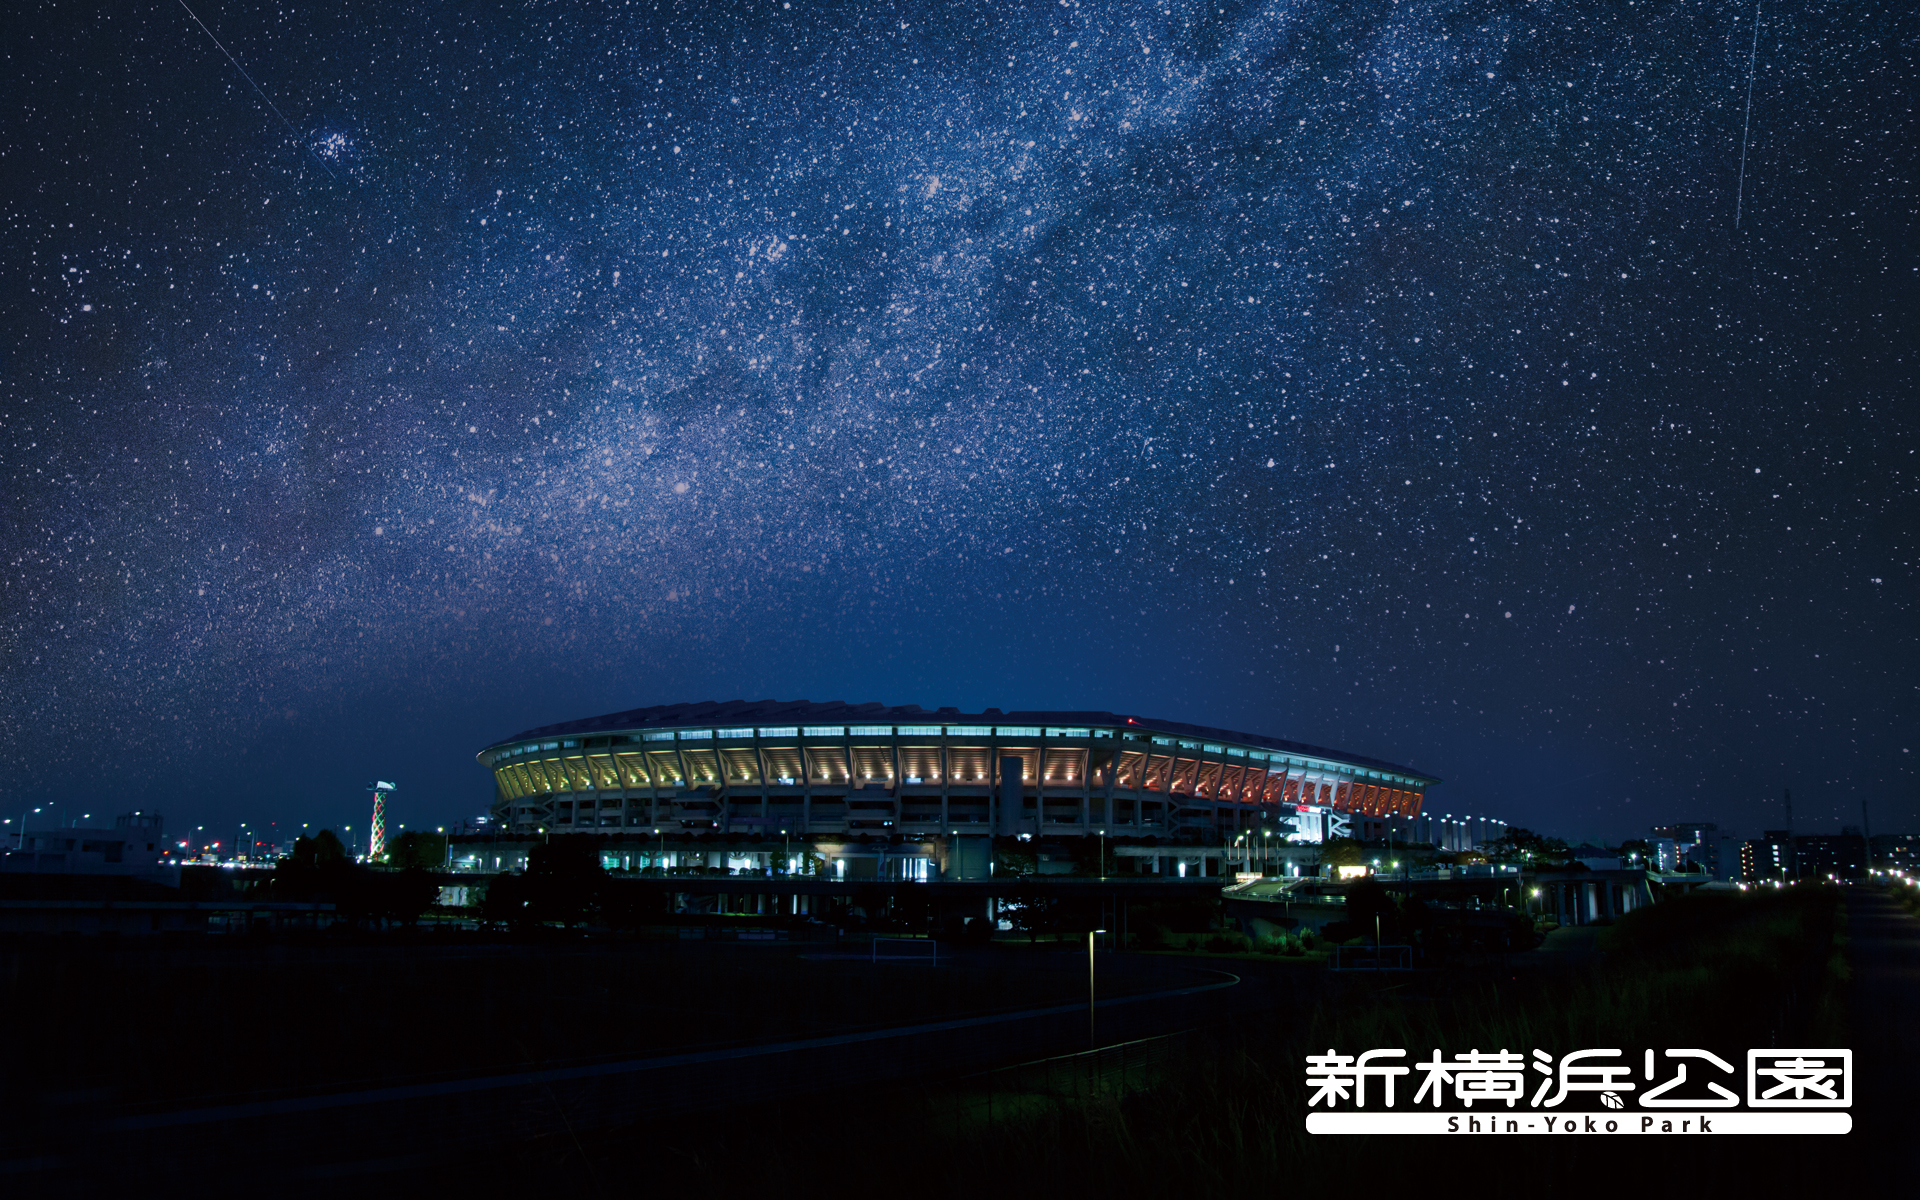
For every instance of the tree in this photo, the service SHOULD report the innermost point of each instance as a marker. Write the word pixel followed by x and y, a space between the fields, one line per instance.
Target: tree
pixel 1031 912
pixel 414 849
pixel 318 869
pixel 1342 852
pixel 564 878
pixel 388 896
pixel 320 850
pixel 1525 845
pixel 1367 902
pixel 1011 856
pixel 1371 913
pixel 1094 856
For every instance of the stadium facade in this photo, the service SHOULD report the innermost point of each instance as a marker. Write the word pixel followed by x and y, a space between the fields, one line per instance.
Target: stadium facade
pixel 796 767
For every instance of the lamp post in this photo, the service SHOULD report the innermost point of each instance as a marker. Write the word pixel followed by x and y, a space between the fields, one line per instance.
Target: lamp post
pixel 1100 868
pixel 1092 1041
pixel 22 831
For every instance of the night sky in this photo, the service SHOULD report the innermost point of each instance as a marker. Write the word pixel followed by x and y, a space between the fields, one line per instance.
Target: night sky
pixel 1387 376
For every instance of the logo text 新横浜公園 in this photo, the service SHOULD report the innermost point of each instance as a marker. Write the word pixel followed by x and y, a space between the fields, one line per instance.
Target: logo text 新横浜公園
pixel 1363 1088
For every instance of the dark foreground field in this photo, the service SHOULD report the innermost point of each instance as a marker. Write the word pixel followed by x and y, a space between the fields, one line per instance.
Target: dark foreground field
pixel 762 1071
pixel 1223 1114
pixel 213 1020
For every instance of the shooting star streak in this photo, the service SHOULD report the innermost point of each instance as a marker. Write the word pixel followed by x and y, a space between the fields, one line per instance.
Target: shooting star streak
pixel 257 88
pixel 1753 56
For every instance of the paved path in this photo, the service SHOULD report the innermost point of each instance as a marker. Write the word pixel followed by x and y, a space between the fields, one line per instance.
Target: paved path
pixel 1884 952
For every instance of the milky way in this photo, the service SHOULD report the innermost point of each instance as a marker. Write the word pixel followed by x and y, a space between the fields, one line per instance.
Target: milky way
pixel 1387 376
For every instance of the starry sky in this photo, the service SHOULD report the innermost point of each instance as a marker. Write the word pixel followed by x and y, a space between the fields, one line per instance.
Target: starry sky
pixel 1389 376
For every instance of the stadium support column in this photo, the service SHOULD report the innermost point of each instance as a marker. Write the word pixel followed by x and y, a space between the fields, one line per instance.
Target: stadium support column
pixel 653 784
pixel 1086 793
pixel 895 795
pixel 680 757
pixel 1106 785
pixel 946 782
pixel 1139 788
pixel 1012 795
pixel 806 788
pixel 760 758
pixel 998 823
pixel 1039 788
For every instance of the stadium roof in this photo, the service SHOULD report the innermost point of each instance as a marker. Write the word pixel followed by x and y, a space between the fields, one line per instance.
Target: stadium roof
pixel 763 711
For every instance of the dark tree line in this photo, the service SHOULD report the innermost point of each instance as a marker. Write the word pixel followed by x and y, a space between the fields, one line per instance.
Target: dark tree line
pixel 320 871
pixel 565 883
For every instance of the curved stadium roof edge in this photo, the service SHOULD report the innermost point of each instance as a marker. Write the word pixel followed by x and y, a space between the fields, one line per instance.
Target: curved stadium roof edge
pixel 771 711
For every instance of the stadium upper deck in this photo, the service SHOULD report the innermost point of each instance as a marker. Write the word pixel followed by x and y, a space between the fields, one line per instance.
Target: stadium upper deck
pixel 796 766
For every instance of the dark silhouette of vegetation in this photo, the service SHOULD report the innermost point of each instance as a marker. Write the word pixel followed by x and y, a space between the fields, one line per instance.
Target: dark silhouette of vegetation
pixel 425 851
pixel 564 882
pixel 1519 845
pixel 1011 856
pixel 1342 852
pixel 319 871
pixel 1371 913
pixel 1094 856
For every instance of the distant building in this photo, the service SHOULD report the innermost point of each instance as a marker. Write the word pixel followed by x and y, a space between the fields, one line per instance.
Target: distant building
pixel 1687 831
pixel 1698 842
pixel 1768 858
pixel 1830 856
pixel 1897 851
pixel 135 845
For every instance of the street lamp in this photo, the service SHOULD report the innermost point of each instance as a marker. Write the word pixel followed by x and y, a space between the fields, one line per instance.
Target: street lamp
pixel 23 829
pixel 1092 1042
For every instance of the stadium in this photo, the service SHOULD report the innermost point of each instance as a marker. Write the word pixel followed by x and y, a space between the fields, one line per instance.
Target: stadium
pixel 796 768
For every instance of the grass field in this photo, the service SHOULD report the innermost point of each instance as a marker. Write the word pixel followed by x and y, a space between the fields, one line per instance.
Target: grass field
pixel 1225 1114
pixel 146 1023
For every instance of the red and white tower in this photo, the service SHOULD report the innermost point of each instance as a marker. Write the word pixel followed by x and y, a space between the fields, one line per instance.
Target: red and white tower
pixel 377 840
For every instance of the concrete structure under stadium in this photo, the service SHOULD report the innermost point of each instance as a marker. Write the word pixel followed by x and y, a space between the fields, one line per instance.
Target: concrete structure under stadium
pixel 769 767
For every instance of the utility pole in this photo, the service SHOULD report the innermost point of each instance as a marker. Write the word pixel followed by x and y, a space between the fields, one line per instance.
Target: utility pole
pixel 1866 833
